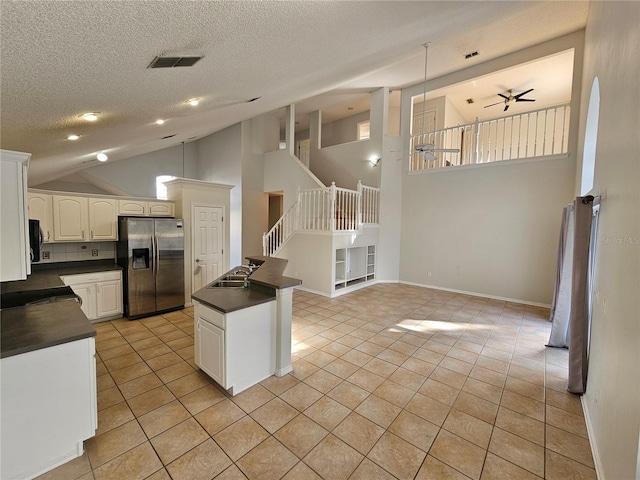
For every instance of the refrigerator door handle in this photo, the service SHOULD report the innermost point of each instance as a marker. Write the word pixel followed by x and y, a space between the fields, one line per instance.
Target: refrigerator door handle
pixel 154 268
pixel 157 252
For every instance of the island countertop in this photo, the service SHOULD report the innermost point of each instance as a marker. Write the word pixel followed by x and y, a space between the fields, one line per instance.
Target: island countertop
pixel 263 284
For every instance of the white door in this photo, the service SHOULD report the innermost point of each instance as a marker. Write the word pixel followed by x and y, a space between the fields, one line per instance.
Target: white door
pixel 86 292
pixel 211 350
pixel 304 146
pixel 207 245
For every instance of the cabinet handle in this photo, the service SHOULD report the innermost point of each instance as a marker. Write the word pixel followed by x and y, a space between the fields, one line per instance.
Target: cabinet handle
pixel 144 210
pixel 91 233
pixel 83 234
pixel 48 235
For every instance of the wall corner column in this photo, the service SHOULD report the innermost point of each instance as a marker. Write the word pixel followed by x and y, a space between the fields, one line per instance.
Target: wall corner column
pixel 284 315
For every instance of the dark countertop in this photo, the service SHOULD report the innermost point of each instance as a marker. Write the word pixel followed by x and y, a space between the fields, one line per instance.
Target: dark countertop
pixel 263 284
pixel 25 329
pixel 48 275
pixel 270 272
pixel 28 328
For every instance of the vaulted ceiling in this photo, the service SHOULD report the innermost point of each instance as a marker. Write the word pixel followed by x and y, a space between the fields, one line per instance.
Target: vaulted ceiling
pixel 61 59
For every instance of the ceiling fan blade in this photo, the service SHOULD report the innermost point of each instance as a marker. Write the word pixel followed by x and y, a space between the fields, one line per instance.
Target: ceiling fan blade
pixel 424 147
pixel 525 100
pixel 430 156
pixel 497 103
pixel 447 150
pixel 506 107
pixel 503 96
pixel 522 94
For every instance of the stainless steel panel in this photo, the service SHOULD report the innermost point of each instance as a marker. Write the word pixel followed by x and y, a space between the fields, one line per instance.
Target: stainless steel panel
pixel 140 288
pixel 169 240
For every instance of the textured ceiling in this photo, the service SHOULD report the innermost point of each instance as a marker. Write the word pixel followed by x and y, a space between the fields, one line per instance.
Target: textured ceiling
pixel 60 59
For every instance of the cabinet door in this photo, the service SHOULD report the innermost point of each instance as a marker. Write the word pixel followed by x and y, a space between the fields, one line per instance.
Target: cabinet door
pixel 14 235
pixel 86 292
pixel 211 350
pixel 103 219
pixel 70 218
pixel 161 209
pixel 109 299
pixel 132 207
pixel 41 208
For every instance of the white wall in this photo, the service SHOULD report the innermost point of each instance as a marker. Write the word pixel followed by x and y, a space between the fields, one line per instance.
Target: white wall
pixel 136 176
pixel 491 230
pixel 259 135
pixel 612 398
pixel 314 270
pixel 220 161
pixel 452 117
pixel 342 131
pixel 285 173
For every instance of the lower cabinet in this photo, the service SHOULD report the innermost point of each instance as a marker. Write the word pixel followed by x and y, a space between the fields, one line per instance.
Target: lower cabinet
pixel 101 293
pixel 49 407
pixel 237 349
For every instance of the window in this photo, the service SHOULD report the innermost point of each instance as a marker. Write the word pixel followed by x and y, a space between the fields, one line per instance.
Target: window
pixel 590 139
pixel 161 189
pixel 364 130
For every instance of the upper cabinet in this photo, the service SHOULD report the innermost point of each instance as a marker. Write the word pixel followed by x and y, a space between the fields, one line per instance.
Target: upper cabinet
pixel 41 208
pixel 70 218
pixel 15 261
pixel 145 208
pixel 103 219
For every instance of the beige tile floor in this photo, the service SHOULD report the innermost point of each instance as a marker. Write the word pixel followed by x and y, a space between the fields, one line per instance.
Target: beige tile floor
pixel 389 382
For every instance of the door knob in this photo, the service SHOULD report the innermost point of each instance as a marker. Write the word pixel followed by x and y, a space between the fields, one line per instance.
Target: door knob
pixel 197 259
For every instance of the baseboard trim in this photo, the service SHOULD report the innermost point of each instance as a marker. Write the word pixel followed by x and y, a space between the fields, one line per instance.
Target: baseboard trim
pixel 476 294
pixel 592 439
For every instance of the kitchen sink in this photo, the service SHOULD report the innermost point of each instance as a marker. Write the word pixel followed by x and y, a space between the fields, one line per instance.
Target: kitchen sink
pixel 236 276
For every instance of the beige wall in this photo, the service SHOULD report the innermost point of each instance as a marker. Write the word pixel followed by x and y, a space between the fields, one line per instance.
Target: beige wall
pixel 612 398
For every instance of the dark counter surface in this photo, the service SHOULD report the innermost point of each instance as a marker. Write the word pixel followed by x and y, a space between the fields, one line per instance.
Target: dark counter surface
pixel 270 272
pixel 227 300
pixel 48 275
pixel 263 284
pixel 25 329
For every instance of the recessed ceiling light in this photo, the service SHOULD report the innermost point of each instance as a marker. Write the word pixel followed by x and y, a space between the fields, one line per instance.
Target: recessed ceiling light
pixel 102 157
pixel 90 116
pixel 159 121
pixel 73 137
pixel 193 102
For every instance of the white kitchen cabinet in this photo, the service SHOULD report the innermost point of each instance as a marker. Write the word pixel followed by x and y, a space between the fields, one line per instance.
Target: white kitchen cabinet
pixel 103 219
pixel 101 293
pixel 15 261
pixel 161 209
pixel 41 208
pixel 49 407
pixel 236 349
pixel 70 218
pixel 145 208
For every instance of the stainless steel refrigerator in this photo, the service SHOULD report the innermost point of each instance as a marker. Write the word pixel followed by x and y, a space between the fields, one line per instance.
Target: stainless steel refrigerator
pixel 151 252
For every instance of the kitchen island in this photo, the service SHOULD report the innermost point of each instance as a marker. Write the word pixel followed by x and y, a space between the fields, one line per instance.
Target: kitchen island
pixel 243 335
pixel 48 372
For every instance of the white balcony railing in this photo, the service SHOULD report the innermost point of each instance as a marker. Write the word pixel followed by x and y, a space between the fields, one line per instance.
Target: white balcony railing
pixel 331 209
pixel 532 134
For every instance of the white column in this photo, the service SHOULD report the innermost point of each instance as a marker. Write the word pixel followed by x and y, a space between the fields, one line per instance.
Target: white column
pixel 290 130
pixel 284 314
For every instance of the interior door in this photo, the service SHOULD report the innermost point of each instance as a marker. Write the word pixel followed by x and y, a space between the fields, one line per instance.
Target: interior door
pixel 207 250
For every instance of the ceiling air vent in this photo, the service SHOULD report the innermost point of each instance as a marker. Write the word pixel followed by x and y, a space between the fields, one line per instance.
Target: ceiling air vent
pixel 170 62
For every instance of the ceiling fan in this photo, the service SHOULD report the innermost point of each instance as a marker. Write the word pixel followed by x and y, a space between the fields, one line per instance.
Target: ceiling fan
pixel 428 150
pixel 512 98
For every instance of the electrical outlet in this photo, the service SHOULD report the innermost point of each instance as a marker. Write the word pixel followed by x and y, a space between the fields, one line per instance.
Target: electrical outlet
pixel 428 274
pixel 45 255
pixel 94 252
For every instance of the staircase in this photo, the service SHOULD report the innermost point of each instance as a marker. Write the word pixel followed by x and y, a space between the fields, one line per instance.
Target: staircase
pixel 329 209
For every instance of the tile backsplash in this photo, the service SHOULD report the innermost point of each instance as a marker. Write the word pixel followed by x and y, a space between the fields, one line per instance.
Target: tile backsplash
pixel 70 252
